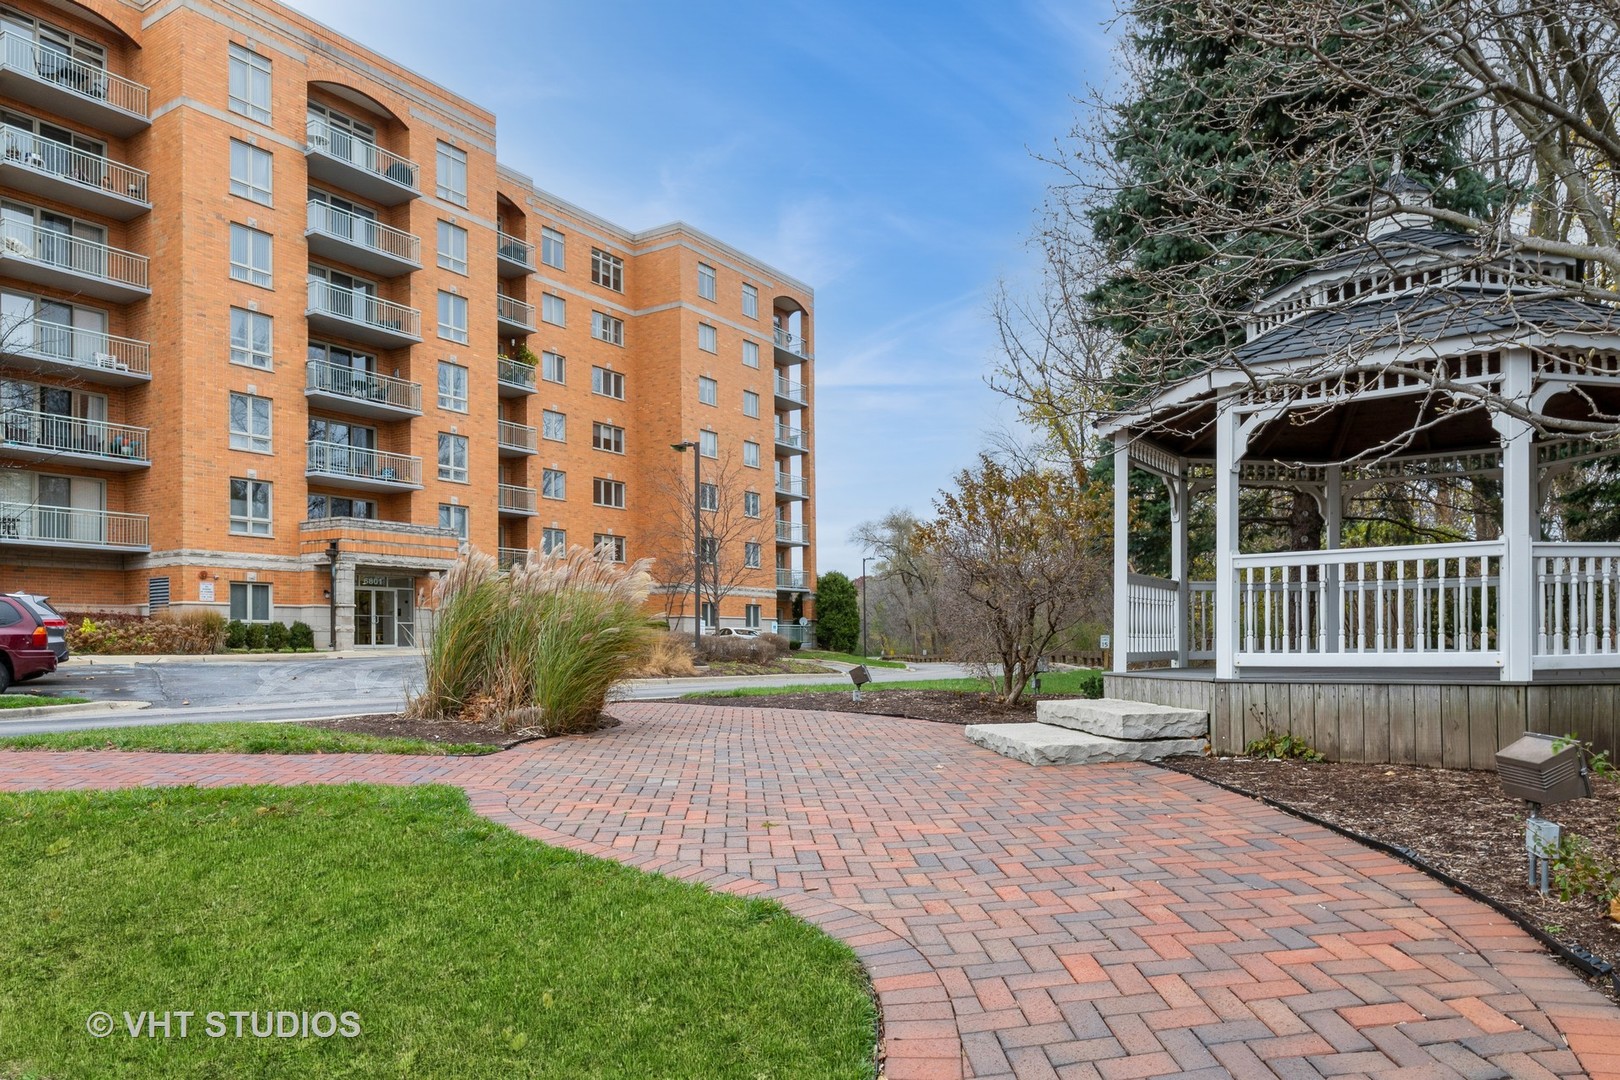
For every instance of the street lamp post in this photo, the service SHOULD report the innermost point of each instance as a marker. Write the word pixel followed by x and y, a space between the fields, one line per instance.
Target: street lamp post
pixel 866 649
pixel 697 542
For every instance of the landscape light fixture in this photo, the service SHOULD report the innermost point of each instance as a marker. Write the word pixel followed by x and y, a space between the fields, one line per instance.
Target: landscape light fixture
pixel 1542 769
pixel 697 542
pixel 860 677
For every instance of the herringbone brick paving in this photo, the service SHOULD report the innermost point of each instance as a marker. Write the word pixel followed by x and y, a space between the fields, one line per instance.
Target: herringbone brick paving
pixel 1104 921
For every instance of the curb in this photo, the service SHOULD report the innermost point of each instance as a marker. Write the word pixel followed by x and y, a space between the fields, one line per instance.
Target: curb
pixel 97 659
pixel 71 710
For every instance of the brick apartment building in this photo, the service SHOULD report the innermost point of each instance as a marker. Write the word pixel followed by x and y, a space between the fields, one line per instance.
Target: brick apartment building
pixel 269 309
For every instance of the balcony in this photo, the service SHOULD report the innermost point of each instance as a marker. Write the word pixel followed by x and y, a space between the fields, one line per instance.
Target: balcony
pixel 508 557
pixel 514 378
pixel 69 88
pixel 352 164
pixel 791 439
pixel 804 635
pixel 513 257
pixel 790 394
pixel 343 466
pixel 29 252
pixel 63 528
pixel 791 532
pixel 517 501
pixel 67 175
pixel 361 393
pixel 84 355
pixel 790 348
pixel 792 580
pixel 359 316
pixel 515 440
pixel 792 487
pixel 513 316
pixel 361 242
pixel 30 435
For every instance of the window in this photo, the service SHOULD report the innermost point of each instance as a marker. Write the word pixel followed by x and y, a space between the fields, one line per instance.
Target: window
pixel 333 506
pixel 553 425
pixel 551 247
pixel 453 457
pixel 750 404
pixel 751 354
pixel 751 504
pixel 452 386
pixel 708 497
pixel 706 281
pixel 708 391
pixel 553 541
pixel 607 270
pixel 608 493
pixel 250 338
pixel 751 454
pixel 452 247
pixel 249 84
pixel 553 367
pixel 250 601
pixel 606 328
pixel 750 301
pixel 453 518
pixel 453 317
pixel 250 255
pixel 709 552
pixel 607 437
pixel 452 174
pixel 250 172
pixel 751 615
pixel 751 556
pixel 553 484
pixel 250 507
pixel 708 340
pixel 707 612
pixel 708 444
pixel 553 309
pixel 607 383
pixel 610 545
pixel 250 423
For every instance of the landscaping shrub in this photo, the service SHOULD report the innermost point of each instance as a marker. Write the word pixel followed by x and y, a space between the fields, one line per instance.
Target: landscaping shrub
pixel 275 636
pixel 1277 745
pixel 124 633
pixel 756 650
pixel 1091 684
pixel 538 647
pixel 778 642
pixel 255 635
pixel 236 634
pixel 667 655
pixel 301 636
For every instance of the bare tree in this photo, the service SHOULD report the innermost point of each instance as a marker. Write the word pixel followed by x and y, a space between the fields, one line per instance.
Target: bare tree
pixel 734 540
pixel 903 592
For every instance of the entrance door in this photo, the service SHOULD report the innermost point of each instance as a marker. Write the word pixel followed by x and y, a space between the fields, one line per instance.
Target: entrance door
pixel 405 618
pixel 383 603
pixel 362 616
pixel 382 616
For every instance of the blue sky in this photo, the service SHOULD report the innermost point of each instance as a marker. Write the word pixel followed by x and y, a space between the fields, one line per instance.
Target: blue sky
pixel 881 152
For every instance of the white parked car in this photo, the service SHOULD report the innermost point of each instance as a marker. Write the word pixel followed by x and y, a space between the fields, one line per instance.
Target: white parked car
pixel 737 631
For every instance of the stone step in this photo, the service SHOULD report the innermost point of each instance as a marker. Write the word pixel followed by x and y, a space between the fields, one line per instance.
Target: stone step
pixel 1117 719
pixel 1047 744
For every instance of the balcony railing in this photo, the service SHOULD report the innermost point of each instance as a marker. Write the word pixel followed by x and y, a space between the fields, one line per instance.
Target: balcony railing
pixel 792 485
pixel 25 240
pixel 516 373
pixel 62 526
pixel 365 232
pixel 20 146
pixel 340 459
pixel 323 138
pixel 791 343
pixel 508 557
pixel 790 436
pixel 791 532
pixel 792 579
pixel 515 436
pixel 516 498
pixel 513 250
pixel 789 390
pixel 74 435
pixel 514 312
pixel 98 352
pixel 805 635
pixel 357 306
pixel 95 84
pixel 368 386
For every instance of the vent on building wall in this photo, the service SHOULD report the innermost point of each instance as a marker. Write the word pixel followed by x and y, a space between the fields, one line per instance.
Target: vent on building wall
pixel 157 593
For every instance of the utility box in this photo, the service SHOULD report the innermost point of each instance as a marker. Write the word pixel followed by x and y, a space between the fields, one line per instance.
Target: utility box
pixel 1543 769
pixel 859 676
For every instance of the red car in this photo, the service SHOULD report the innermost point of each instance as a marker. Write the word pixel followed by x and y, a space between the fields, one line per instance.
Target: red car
pixel 25 646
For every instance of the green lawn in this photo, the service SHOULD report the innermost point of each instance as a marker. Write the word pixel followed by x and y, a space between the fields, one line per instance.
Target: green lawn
pixel 29 701
pixel 238 738
pixel 1056 682
pixel 467 951
pixel 846 658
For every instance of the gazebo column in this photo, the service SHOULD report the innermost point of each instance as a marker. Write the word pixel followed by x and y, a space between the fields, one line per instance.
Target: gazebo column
pixel 1122 550
pixel 1516 595
pixel 1333 528
pixel 1229 445
pixel 1179 504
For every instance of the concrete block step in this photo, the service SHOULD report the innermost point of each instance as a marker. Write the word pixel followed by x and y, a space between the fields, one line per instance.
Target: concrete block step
pixel 1048 744
pixel 1117 719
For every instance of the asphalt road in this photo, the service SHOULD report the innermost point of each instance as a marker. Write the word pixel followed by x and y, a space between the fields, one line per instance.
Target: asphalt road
pixel 195 692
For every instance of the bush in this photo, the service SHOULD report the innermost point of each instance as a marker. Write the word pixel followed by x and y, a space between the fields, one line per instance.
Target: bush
pixel 667 655
pixel 275 636
pixel 255 635
pixel 236 634
pixel 838 613
pixel 117 632
pixel 795 645
pixel 1091 684
pixel 301 636
pixel 747 650
pixel 1277 745
pixel 778 642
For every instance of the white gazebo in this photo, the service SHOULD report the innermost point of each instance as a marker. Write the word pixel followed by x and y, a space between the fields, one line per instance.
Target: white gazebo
pixel 1411 355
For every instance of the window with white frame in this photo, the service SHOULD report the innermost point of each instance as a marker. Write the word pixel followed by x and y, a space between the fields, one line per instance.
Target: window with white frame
pixel 751 454
pixel 708 338
pixel 707 612
pixel 708 391
pixel 551 247
pixel 553 367
pixel 452 457
pixel 452 247
pixel 248 82
pixel 454 518
pixel 553 484
pixel 607 383
pixel 553 309
pixel 452 386
pixel 750 404
pixel 250 423
pixel 250 172
pixel 553 426
pixel 750 301
pixel 751 615
pixel 751 556
pixel 609 493
pixel 451 177
pixel 709 443
pixel 751 504
pixel 553 541
pixel 706 287
pixel 250 507
pixel 751 354
pixel 250 255
pixel 610 545
pixel 607 437
pixel 605 327
pixel 453 317
pixel 607 270
pixel 709 554
pixel 250 601
pixel 708 497
pixel 250 338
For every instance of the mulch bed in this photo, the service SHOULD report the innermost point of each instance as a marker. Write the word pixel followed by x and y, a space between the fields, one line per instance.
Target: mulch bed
pixel 940 706
pixel 452 731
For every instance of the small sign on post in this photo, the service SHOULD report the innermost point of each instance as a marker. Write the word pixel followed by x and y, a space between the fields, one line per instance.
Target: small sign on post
pixel 1541 840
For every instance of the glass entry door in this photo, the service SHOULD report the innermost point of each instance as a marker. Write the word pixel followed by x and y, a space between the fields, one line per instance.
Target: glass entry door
pixel 384 616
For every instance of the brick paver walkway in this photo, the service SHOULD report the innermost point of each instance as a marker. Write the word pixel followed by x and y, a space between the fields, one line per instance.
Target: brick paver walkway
pixel 1112 921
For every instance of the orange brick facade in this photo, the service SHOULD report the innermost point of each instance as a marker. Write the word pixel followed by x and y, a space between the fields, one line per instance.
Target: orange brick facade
pixel 229 236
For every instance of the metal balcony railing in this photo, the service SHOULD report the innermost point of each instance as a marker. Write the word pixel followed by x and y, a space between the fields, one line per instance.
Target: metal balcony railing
pixel 512 310
pixel 340 459
pixel 792 391
pixel 792 485
pixel 508 557
pixel 805 634
pixel 791 532
pixel 516 436
pixel 24 239
pixel 24 54
pixel 790 436
pixel 21 146
pixel 73 435
pixel 71 345
pixel 350 382
pixel 514 373
pixel 355 305
pixel 72 526
pixel 791 343
pixel 367 233
pixel 518 498
pixel 514 250
pixel 323 137
pixel 792 579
